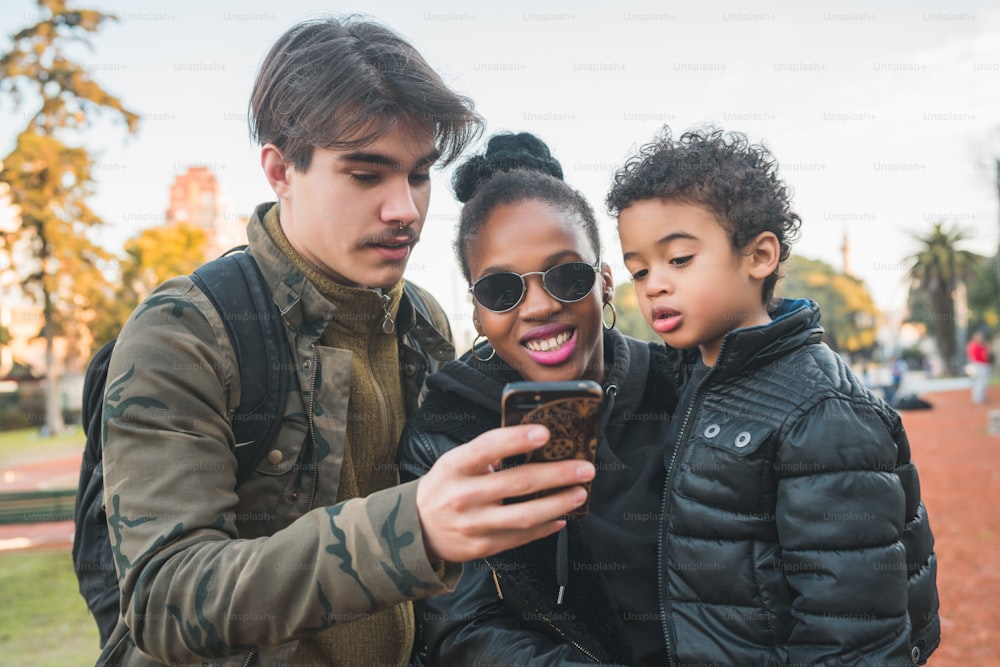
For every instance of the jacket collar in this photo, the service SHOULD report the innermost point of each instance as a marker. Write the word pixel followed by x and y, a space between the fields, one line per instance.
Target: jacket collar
pixel 794 323
pixel 301 303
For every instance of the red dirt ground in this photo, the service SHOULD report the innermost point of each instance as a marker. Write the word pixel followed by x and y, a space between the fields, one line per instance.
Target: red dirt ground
pixel 959 465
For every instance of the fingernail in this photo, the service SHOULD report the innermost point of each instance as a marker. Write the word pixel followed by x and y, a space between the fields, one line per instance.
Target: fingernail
pixel 579 496
pixel 538 435
pixel 585 472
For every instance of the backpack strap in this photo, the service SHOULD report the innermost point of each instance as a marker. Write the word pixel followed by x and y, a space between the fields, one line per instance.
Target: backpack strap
pixel 92 558
pixel 235 286
pixel 431 331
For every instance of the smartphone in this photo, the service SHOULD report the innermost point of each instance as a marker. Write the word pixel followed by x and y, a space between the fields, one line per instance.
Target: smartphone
pixel 571 410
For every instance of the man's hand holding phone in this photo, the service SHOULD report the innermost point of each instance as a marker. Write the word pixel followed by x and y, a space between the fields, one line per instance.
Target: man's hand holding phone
pixel 461 499
pixel 571 411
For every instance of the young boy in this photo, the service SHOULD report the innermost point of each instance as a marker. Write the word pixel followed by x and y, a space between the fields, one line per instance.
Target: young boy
pixel 793 531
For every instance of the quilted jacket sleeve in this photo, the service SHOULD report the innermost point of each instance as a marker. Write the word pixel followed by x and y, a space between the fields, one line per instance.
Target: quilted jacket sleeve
pixel 849 524
pixel 921 561
pixel 191 589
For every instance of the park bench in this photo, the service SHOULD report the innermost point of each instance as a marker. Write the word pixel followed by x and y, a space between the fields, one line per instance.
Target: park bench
pixel 37 506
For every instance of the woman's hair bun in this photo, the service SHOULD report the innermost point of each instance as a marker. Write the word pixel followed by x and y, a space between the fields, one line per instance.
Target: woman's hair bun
pixel 504 152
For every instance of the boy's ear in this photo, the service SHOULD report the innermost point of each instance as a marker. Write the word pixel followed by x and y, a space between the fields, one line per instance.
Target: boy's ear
pixel 275 169
pixel 763 253
pixel 476 322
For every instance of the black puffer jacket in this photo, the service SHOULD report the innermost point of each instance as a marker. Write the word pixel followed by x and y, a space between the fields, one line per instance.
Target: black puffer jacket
pixel 794 532
pixel 474 625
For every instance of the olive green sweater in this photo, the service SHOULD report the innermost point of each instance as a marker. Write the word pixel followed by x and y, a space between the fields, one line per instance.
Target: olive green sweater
pixel 376 414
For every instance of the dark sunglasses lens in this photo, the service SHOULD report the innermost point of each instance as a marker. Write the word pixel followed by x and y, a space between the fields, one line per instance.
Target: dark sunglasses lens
pixel 570 282
pixel 499 292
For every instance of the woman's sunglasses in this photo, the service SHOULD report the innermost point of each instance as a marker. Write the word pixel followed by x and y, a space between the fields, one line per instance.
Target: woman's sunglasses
pixel 570 282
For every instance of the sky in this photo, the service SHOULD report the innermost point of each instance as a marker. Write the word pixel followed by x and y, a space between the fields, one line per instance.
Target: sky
pixel 884 116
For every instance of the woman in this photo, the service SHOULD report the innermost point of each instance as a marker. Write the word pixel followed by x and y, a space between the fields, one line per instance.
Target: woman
pixel 529 247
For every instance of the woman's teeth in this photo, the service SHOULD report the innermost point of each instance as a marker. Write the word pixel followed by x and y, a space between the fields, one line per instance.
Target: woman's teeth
pixel 546 344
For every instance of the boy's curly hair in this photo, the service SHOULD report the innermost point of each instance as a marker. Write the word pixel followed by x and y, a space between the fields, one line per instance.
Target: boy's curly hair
pixel 721 171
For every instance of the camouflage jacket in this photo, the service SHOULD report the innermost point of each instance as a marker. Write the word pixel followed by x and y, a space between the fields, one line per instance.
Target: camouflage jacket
pixel 206 576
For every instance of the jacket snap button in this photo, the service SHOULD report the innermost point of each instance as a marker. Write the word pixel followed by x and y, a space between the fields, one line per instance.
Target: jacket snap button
pixel 274 457
pixel 307 364
pixel 410 369
pixel 712 430
pixel 294 495
pixel 743 439
pixel 915 654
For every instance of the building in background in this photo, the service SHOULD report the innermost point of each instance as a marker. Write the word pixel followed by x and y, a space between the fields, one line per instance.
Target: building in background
pixel 197 199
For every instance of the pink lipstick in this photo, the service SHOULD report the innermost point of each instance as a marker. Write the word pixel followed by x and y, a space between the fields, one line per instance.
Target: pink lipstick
pixel 550 345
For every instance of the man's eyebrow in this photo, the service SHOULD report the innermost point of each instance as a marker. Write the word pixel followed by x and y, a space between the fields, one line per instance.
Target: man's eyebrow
pixel 429 159
pixel 382 160
pixel 669 238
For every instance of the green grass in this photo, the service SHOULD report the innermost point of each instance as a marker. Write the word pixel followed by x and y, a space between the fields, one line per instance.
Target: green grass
pixel 43 620
pixel 26 445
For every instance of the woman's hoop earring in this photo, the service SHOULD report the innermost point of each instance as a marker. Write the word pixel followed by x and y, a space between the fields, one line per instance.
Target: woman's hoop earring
pixel 476 356
pixel 614 316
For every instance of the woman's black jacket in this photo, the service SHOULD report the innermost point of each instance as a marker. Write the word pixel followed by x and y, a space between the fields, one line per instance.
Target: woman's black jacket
pixel 473 625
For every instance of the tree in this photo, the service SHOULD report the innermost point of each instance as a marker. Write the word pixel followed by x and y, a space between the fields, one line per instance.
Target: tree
pixel 848 313
pixel 50 181
pixel 151 257
pixel 936 269
pixel 984 295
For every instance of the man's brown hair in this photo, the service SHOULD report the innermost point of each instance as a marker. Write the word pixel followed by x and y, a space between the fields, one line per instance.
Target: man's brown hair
pixel 342 83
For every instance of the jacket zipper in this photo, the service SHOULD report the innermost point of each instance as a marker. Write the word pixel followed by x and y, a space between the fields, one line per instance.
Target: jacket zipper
pixel 543 617
pixel 379 394
pixel 660 555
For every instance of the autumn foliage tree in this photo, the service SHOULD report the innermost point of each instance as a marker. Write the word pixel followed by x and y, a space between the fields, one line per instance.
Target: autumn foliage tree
pixel 151 257
pixel 848 312
pixel 48 173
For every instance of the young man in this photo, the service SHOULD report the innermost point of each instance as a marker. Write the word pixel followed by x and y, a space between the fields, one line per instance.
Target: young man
pixel 308 562
pixel 794 532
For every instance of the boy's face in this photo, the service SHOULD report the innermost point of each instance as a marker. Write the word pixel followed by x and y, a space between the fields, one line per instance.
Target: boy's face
pixel 691 285
pixel 356 215
pixel 543 338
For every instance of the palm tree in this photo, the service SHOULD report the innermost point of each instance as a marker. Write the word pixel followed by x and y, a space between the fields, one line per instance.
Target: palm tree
pixel 937 269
